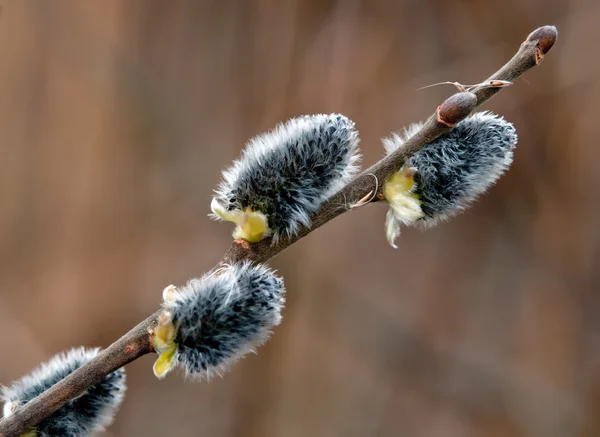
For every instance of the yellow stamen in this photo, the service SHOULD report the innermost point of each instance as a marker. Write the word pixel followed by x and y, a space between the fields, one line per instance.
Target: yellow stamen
pixel 164 343
pixel 251 226
pixel 166 361
pixel 405 205
pixel 401 181
pixel 165 332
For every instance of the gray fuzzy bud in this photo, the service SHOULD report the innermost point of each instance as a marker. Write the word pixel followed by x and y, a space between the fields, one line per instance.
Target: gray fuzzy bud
pixel 288 172
pixel 223 316
pixel 452 171
pixel 87 414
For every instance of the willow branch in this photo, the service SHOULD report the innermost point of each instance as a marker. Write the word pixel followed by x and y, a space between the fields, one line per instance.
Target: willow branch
pixel 368 184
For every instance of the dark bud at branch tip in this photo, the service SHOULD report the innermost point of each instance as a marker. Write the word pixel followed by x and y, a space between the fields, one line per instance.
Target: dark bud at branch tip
pixel 545 36
pixel 456 108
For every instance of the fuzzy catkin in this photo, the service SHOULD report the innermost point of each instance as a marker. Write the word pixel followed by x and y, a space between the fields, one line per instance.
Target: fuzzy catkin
pixel 453 170
pixel 221 317
pixel 82 416
pixel 289 171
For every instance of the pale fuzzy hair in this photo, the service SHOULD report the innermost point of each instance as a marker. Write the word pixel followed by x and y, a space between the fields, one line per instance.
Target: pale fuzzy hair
pixel 225 315
pixel 85 415
pixel 289 171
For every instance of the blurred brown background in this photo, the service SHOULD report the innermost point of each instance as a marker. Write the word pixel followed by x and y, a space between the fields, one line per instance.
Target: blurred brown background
pixel 116 118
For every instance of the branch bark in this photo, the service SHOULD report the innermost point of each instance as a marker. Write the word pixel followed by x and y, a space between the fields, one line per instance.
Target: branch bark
pixel 137 342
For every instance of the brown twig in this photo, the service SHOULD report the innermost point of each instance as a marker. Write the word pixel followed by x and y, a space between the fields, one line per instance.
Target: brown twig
pixel 137 341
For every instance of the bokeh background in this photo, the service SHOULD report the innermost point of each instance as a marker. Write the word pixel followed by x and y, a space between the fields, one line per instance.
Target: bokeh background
pixel 116 118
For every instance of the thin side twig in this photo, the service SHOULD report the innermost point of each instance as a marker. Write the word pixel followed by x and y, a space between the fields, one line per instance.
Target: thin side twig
pixel 137 342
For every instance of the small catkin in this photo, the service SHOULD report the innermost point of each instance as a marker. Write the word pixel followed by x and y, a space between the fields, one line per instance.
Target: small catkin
pixel 82 416
pixel 284 175
pixel 448 174
pixel 221 317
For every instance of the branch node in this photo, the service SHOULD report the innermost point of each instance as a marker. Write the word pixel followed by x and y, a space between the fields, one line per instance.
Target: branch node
pixel 456 108
pixel 242 243
pixel 151 338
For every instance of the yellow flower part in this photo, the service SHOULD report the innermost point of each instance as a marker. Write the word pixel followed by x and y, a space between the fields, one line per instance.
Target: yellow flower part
pixel 166 361
pixel 405 205
pixel 164 343
pixel 251 226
